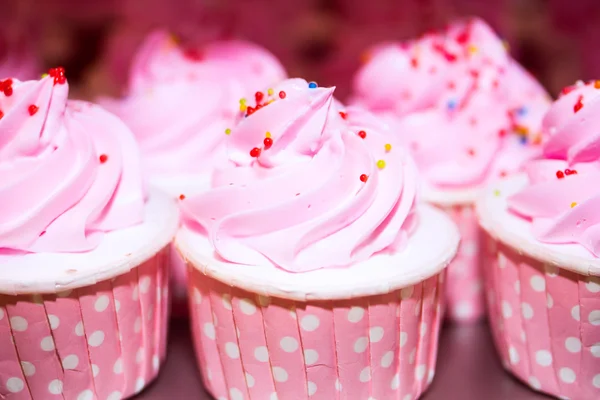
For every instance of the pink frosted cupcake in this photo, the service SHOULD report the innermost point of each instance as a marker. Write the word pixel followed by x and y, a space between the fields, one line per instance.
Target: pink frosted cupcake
pixel 83 250
pixel 180 104
pixel 542 256
pixel 313 273
pixel 469 113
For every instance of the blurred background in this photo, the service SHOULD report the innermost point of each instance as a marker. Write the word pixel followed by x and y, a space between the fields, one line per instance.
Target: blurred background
pixel 321 40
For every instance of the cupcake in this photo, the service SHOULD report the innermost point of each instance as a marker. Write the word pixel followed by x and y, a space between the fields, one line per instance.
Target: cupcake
pixel 313 272
pixel 469 114
pixel 181 103
pixel 542 255
pixel 83 250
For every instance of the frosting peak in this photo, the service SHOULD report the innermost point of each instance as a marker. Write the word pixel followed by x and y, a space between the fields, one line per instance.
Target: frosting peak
pixel 316 195
pixel 64 176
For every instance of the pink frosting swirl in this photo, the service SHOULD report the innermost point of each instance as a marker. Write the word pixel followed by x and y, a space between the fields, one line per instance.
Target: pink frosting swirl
pixel 69 171
pixel 463 106
pixel 181 100
pixel 311 193
pixel 562 199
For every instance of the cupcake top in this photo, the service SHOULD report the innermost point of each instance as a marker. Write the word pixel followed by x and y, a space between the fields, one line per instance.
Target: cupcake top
pixel 69 171
pixel 181 100
pixel 468 112
pixel 307 187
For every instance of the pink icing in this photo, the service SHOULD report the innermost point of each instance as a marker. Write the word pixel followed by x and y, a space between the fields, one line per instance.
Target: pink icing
pixel 69 171
pixel 461 104
pixel 301 205
pixel 180 101
pixel 564 206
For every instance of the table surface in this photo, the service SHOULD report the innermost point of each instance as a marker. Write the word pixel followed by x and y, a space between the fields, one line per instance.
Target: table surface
pixel 468 369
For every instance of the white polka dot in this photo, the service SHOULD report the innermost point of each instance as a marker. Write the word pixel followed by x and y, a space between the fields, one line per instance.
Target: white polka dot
pixel 236 394
pixel 273 396
pixel 18 324
pixel 116 395
pixel 593 284
pixel 137 325
pixel 387 359
pixel 403 338
pixel 411 356
pixel 247 306
pixel 408 397
pixel 261 354
pixel 526 310
pixel 595 349
pixel 596 381
pixel 417 308
pixel 15 385
pixel 209 331
pixel 395 384
pixel 506 309
pixel 139 384
pixel 501 261
pixel 356 314
pixel 197 296
pixel 118 367
pixel 513 355
pixel 523 337
pixel 310 356
pixel 518 287
pixel 54 321
pixel 575 313
pixel 96 339
pixel 423 329
pixel 407 292
pixel 573 345
pixel 79 329
pixel 95 370
pixel 549 301
pixel 155 362
pixel 145 283
pixel 375 334
pixel 280 374
pixel 135 294
pixel 361 345
pixel 55 386
pixel 420 372
pixel 139 356
pixel 567 375
pixel 289 344
pixel 232 350
pixel 101 303
pixel 534 383
pixel 594 317
pixel 309 323
pixel 365 375
pixel 86 395
pixel 543 358
pixel 70 362
pixel 28 368
pixel 463 309
pixel 537 283
pixel 312 388
pixel 47 343
pixel 250 380
pixel 338 385
pixel 226 298
pixel 430 376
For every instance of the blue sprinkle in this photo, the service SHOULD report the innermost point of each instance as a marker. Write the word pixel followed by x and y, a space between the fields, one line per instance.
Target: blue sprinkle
pixel 522 111
pixel 451 104
pixel 523 139
pixel 312 85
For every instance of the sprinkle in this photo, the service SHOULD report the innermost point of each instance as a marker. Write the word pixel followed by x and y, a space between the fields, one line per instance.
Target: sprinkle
pixel 58 74
pixel 573 204
pixel 502 132
pixel 451 104
pixel 560 174
pixel 362 134
pixel 537 139
pixel 570 171
pixel 471 152
pixel 258 96
pixel 523 139
pixel 388 147
pixel 472 49
pixel 255 152
pixel 497 193
pixel 1 114
pixel 268 134
pixel 243 108
pixel 597 84
pixel 522 111
pixel 312 85
pixel 282 95
pixel 193 54
pixel 270 92
pixel 243 101
pixel 103 158
pixel 567 90
pixel 250 111
pixel 33 109
pixel 181 196
pixel 521 130
pixel 228 131
pixel 44 75
pixel 364 177
pixel 268 142
pixel 579 105
pixel 451 85
pixel 414 62
pixel 343 115
pixel 381 164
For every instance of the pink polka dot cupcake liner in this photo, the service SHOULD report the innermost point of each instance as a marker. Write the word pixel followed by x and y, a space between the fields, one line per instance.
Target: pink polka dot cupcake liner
pixel 179 298
pixel 250 346
pixel 545 322
pixel 464 288
pixel 102 341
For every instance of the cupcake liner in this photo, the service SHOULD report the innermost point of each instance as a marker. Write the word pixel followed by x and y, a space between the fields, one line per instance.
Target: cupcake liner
pixel 102 341
pixel 545 322
pixel 464 294
pixel 251 346
pixel 178 269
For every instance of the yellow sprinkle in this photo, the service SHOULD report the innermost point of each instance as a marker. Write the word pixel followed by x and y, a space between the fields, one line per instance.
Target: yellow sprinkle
pixel 270 101
pixel 268 134
pixel 242 101
pixel 227 131
pixel 270 92
pixel 506 45
pixel 573 204
pixel 472 49
pixel 243 107
pixel 44 75
pixel 381 164
pixel 388 147
pixel 497 193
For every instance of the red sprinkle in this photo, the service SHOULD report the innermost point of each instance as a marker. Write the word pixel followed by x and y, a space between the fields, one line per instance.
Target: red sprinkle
pixel 579 105
pixel 414 62
pixel 268 142
pixel 364 177
pixel 250 111
pixel 58 74
pixel 362 134
pixel 502 132
pixel 255 152
pixel 33 109
pixel 8 90
pixel 1 114
pixel 282 95
pixel 560 174
pixel 463 37
pixel 103 158
pixel 259 97
pixel 42 233
pixel 181 196
pixel 451 85
pixel 471 152
pixel 570 171
pixel 503 174
pixel 567 89
pixel 193 54
pixel 343 115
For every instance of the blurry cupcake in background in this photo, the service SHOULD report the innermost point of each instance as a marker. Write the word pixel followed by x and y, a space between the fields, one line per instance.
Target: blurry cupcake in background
pixel 469 113
pixel 84 294
pixel 542 254
pixel 183 101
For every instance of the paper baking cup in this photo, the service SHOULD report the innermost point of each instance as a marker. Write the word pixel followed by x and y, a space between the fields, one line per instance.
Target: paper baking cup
pixel 102 341
pixel 250 346
pixel 179 298
pixel 464 287
pixel 545 322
